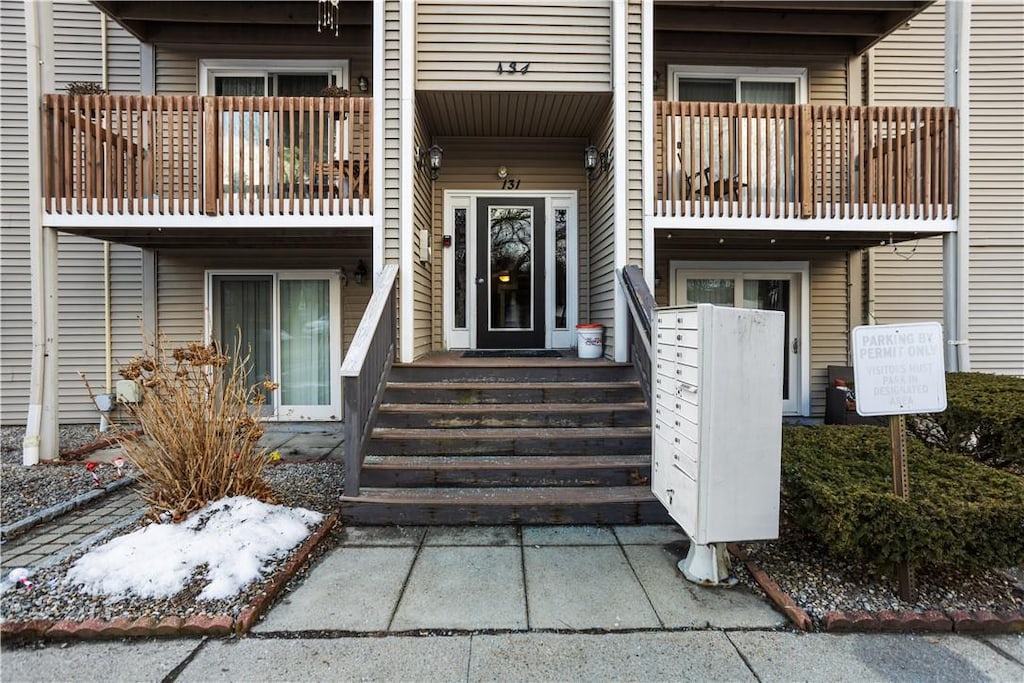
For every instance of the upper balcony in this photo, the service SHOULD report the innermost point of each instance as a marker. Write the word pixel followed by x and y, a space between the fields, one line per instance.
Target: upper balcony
pixel 805 166
pixel 189 160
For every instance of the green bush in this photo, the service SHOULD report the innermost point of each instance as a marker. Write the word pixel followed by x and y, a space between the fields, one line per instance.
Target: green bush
pixel 984 419
pixel 837 485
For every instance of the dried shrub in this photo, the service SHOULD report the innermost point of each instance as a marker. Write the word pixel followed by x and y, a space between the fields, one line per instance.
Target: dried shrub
pixel 200 417
pixel 85 88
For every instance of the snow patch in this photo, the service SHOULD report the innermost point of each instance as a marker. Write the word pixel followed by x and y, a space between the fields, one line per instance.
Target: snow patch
pixel 233 541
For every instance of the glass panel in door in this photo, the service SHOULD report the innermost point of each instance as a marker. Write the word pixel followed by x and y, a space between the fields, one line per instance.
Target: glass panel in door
pixel 719 291
pixel 243 320
pixel 510 299
pixel 304 138
pixel 242 135
pixel 773 156
pixel 305 343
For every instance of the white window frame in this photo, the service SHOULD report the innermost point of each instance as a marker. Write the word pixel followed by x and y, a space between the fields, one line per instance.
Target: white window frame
pixel 739 74
pixel 561 338
pixel 679 270
pixel 292 413
pixel 337 69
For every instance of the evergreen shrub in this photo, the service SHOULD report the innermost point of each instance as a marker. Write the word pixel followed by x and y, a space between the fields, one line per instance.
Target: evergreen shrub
pixel 837 485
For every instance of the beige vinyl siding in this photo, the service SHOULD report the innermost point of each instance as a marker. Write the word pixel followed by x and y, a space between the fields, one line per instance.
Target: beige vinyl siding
pixel 909 69
pixel 997 188
pixel 176 74
pixel 392 132
pixel 828 299
pixel 82 347
pixel 181 282
pixel 426 276
pixel 602 243
pixel 77 44
pixel 15 297
pixel 123 60
pixel 634 135
pixel 541 164
pixel 567 45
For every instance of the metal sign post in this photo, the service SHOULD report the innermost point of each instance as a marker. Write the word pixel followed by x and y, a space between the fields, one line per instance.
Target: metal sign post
pixel 901 487
pixel 899 370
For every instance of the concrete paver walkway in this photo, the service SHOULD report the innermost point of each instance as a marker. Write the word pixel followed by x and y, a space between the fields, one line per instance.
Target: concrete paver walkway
pixel 401 580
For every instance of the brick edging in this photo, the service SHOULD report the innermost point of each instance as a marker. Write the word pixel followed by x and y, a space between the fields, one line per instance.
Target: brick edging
pixel 786 604
pixel 934 621
pixel 145 627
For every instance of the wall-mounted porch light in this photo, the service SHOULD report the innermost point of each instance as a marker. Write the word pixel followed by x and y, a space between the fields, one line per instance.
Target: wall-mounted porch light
pixel 431 158
pixel 363 83
pixel 359 274
pixel 504 276
pixel 595 161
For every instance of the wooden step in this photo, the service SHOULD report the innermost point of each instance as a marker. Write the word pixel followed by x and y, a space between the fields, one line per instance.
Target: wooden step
pixel 427 415
pixel 510 441
pixel 514 505
pixel 489 471
pixel 513 370
pixel 508 392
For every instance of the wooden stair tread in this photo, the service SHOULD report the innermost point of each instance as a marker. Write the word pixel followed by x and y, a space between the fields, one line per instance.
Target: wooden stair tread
pixel 484 433
pixel 510 407
pixel 504 496
pixel 512 384
pixel 498 462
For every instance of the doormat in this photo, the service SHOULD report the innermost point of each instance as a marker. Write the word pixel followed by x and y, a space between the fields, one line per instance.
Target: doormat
pixel 512 353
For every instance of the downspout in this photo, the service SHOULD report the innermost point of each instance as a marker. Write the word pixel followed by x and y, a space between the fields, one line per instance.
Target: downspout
pixel 107 308
pixel 33 66
pixel 956 247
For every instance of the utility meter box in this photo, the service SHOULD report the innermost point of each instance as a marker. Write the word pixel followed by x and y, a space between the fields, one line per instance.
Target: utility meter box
pixel 717 441
pixel 128 391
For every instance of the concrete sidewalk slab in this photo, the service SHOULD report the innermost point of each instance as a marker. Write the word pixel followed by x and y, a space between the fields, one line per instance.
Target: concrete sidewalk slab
pixel 471 535
pixel 1012 645
pixel 690 656
pixel 650 534
pixel 584 587
pixel 351 589
pixel 861 657
pixel 568 535
pixel 464 588
pixel 382 535
pixel 682 604
pixel 136 660
pixel 343 659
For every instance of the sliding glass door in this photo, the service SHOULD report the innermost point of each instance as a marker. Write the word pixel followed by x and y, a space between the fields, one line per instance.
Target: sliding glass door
pixel 290 326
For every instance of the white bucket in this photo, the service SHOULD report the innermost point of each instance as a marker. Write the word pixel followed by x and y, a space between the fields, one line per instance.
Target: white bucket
pixel 590 342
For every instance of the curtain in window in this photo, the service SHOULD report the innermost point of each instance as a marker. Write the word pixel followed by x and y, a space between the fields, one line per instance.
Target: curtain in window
pixel 305 343
pixel 243 307
pixel 244 132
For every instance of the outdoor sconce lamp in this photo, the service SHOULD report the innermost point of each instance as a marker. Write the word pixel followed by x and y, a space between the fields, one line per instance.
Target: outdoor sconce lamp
pixel 360 272
pixel 431 157
pixel 364 83
pixel 657 279
pixel 595 161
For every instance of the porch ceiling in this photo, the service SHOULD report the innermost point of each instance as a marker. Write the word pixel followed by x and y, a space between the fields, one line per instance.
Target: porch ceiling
pixel 512 114
pixel 825 27
pixel 728 241
pixel 288 29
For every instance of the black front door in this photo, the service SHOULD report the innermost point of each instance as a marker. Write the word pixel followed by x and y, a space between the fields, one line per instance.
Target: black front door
pixel 510 278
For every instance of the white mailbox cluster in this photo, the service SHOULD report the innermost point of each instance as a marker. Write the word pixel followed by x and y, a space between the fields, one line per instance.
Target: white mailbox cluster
pixel 718 421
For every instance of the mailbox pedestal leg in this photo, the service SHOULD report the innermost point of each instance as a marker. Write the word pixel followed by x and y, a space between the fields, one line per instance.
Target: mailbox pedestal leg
pixel 707 565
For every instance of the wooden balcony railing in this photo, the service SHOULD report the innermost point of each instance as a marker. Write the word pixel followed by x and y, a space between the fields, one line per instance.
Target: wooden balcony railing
pixel 192 155
pixel 805 161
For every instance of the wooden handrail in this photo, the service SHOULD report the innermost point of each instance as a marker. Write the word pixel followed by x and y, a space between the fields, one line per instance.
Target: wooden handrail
pixel 188 155
pixel 364 373
pixel 804 161
pixel 641 308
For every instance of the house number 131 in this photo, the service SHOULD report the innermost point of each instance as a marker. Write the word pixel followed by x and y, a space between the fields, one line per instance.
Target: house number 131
pixel 510 184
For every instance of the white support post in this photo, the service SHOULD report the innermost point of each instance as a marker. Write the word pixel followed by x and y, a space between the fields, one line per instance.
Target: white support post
pixel 407 281
pixel 647 130
pixel 956 246
pixel 620 149
pixel 378 140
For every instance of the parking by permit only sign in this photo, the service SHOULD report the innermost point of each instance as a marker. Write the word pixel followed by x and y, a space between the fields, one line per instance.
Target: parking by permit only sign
pixel 899 369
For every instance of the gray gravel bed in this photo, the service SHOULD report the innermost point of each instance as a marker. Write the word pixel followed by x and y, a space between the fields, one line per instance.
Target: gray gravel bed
pixel 28 490
pixel 315 486
pixel 819 583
